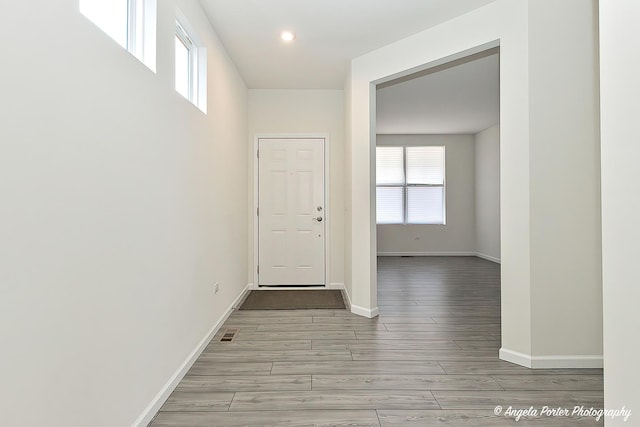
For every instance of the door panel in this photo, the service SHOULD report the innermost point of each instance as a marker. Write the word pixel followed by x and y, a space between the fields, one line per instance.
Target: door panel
pixel 291 221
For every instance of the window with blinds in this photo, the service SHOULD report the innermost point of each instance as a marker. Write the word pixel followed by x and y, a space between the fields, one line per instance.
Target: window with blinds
pixel 410 185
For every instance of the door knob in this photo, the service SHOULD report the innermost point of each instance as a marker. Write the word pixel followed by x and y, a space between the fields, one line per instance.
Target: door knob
pixel 319 219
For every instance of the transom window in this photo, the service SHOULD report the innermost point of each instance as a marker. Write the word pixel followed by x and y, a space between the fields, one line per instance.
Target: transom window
pixel 131 23
pixel 190 73
pixel 410 185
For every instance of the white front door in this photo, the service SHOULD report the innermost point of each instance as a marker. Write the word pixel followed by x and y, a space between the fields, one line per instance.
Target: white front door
pixel 291 212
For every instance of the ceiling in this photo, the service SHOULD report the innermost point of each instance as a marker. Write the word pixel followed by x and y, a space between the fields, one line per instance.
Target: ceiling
pixel 459 99
pixel 329 34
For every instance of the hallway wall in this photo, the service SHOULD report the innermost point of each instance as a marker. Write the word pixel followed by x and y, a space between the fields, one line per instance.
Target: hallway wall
pixel 487 182
pixel 564 162
pixel 122 204
pixel 299 112
pixel 619 69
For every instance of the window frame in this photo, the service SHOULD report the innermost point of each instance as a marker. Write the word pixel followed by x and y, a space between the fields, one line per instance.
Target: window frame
pixel 192 73
pixel 197 63
pixel 405 186
pixel 136 27
pixel 141 26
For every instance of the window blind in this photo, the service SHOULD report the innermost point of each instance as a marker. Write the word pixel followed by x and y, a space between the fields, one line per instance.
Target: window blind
pixel 389 166
pixel 410 185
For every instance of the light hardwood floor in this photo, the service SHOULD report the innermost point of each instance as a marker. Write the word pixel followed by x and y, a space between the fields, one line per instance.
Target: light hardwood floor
pixel 429 359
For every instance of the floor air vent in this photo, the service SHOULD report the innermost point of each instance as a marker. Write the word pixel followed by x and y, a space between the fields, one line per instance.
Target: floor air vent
pixel 229 335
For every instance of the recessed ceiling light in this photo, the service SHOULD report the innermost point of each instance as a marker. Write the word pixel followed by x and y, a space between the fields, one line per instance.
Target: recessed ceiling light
pixel 287 36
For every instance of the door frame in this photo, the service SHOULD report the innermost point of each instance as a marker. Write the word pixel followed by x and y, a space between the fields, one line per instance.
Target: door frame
pixel 327 206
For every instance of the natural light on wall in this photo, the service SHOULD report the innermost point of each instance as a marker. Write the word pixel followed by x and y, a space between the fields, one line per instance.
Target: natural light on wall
pixel 410 185
pixel 131 23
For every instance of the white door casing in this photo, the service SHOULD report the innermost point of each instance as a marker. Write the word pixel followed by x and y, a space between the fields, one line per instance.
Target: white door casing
pixel 291 206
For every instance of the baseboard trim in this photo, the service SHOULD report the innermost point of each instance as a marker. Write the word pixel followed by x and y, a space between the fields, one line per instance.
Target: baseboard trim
pixel 426 253
pixel 345 294
pixel 488 257
pixel 558 362
pixel 150 411
pixel 235 304
pixel 515 357
pixel 288 288
pixel 361 311
pixel 552 362
pixel 476 254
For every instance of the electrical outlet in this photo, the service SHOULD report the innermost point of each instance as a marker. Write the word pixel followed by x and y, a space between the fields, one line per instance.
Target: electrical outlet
pixel 216 288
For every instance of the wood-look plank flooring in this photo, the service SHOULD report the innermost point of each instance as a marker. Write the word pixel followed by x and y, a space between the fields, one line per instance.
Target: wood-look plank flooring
pixel 429 359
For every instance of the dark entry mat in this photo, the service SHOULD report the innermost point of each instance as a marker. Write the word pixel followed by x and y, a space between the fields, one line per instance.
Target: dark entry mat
pixel 293 300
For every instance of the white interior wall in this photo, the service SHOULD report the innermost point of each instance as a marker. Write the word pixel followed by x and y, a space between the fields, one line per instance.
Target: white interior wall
pixel 528 333
pixel 487 191
pixel 348 188
pixel 281 112
pixel 619 92
pixel 457 237
pixel 123 204
pixel 565 181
